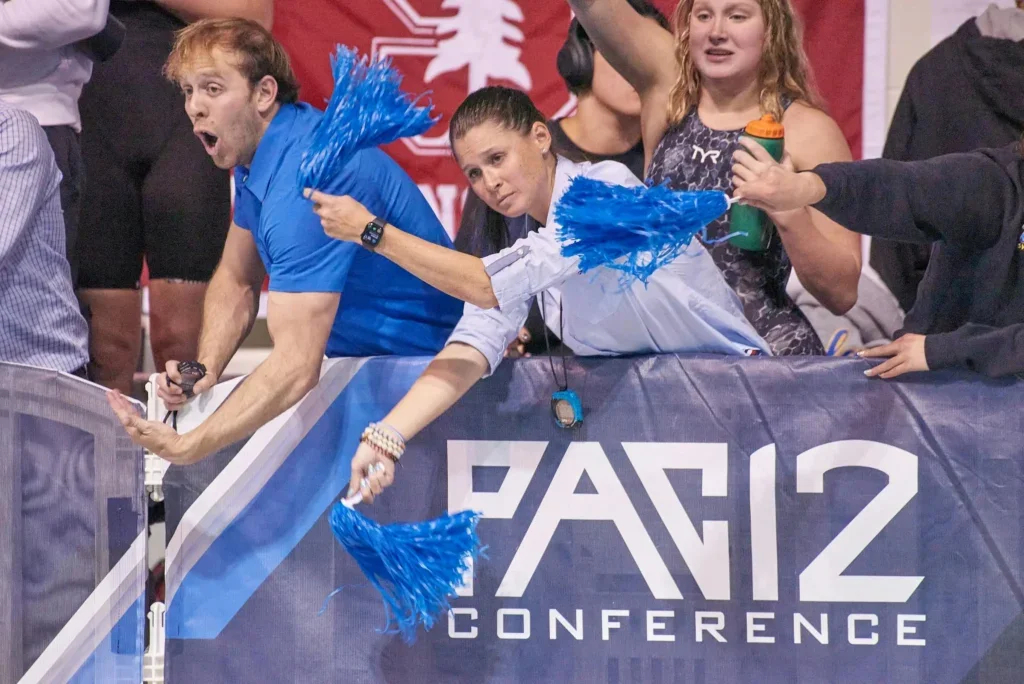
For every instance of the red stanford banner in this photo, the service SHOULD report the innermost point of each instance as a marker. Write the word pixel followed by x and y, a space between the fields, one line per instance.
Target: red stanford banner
pixel 452 47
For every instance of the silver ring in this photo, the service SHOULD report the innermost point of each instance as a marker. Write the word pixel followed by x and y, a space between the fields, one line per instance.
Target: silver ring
pixel 377 467
pixel 365 484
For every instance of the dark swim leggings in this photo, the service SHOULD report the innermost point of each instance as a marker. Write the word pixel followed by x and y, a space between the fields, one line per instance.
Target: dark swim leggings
pixel 151 190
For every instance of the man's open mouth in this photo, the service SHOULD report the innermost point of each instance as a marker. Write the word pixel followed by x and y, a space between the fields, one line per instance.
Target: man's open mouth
pixel 209 140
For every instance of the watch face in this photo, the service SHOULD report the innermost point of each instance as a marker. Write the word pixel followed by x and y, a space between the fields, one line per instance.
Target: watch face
pixel 372 233
pixel 565 416
pixel 567 409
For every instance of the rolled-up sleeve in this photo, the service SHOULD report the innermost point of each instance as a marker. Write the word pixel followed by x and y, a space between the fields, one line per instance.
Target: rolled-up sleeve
pixel 518 273
pixel 533 264
pixel 490 331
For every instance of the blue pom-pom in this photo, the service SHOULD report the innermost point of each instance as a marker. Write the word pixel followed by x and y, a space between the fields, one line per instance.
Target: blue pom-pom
pixel 367 108
pixel 416 566
pixel 636 230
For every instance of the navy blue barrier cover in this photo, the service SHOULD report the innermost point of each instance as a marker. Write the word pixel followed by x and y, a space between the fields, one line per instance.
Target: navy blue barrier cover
pixel 72 534
pixel 745 520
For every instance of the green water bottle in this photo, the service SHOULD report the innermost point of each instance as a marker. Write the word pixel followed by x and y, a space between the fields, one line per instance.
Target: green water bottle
pixel 753 226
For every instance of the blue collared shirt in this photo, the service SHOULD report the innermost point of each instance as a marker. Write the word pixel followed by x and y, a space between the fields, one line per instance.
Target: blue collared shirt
pixel 40 323
pixel 686 305
pixel 384 309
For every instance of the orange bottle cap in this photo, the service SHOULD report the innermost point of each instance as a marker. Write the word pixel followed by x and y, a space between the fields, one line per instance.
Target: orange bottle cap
pixel 766 127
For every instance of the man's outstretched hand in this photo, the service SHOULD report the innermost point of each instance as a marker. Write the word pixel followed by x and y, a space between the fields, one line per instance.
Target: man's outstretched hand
pixel 158 438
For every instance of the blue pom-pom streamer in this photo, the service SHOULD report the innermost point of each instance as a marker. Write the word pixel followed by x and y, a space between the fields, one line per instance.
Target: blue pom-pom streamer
pixel 367 108
pixel 636 230
pixel 416 566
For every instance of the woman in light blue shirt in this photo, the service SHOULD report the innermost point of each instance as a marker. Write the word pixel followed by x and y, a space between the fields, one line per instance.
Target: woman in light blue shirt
pixel 503 146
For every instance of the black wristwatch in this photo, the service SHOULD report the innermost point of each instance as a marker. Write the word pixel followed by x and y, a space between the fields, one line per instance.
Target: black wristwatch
pixel 372 233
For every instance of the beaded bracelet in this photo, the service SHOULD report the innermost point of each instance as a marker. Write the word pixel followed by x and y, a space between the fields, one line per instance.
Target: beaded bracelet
pixel 394 432
pixel 377 436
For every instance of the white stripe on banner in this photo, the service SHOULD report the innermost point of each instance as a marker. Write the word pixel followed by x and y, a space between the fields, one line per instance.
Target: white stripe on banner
pixel 91 623
pixel 247 473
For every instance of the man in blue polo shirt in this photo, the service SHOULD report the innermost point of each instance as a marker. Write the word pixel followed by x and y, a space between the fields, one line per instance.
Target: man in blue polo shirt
pixel 326 296
pixel 384 310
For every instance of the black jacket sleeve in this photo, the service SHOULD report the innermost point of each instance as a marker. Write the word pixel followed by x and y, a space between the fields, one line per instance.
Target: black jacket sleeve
pixel 983 348
pixel 961 199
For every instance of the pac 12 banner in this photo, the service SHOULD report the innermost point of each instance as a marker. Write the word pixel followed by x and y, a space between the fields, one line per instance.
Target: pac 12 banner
pixel 745 520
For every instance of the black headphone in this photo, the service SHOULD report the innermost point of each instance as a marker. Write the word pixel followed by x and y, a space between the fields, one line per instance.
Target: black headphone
pixel 575 60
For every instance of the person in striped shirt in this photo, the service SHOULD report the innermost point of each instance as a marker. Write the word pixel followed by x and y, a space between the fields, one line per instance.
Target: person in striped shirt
pixel 40 322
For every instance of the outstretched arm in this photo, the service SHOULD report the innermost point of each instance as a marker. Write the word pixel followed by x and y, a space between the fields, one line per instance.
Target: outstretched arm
pixel 229 311
pixel 503 280
pixel 449 376
pixel 453 371
pixel 958 198
pixel 300 324
pixel 462 276
pixel 474 350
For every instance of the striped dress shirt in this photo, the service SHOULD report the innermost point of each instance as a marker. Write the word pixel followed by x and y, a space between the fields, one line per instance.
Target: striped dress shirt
pixel 40 322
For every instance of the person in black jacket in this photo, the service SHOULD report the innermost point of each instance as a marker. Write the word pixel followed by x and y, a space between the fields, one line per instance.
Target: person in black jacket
pixel 970 306
pixel 964 94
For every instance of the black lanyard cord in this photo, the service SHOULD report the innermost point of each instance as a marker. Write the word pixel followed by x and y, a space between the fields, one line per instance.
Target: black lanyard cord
pixel 564 385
